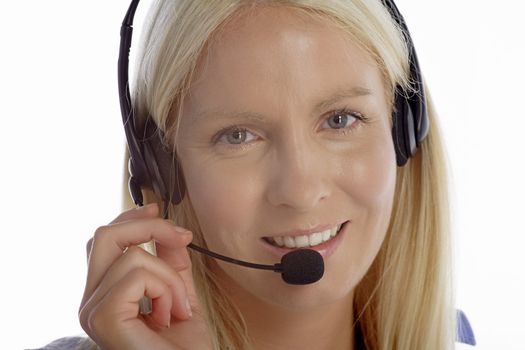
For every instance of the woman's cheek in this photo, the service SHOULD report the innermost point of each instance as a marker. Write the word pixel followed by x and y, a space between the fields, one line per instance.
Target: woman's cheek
pixel 372 174
pixel 221 200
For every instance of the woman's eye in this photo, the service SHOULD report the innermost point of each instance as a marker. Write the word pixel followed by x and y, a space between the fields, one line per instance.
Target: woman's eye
pixel 342 119
pixel 236 136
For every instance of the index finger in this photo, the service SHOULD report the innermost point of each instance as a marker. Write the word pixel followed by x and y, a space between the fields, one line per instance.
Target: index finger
pixel 149 210
pixel 110 242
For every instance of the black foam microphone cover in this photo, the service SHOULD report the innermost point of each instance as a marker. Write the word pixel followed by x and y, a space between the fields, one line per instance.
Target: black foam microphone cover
pixel 303 266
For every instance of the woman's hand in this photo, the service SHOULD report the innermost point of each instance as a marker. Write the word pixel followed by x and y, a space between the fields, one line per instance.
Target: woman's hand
pixel 120 273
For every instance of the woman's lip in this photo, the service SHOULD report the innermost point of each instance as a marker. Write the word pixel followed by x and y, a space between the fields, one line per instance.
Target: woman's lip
pixel 325 249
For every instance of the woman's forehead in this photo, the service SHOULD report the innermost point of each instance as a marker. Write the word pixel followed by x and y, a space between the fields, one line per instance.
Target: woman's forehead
pixel 280 53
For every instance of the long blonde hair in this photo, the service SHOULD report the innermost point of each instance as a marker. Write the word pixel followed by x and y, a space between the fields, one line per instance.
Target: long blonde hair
pixel 405 300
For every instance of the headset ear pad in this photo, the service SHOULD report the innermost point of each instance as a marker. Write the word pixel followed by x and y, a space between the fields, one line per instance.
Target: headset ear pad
pixel 168 178
pixel 171 172
pixel 403 131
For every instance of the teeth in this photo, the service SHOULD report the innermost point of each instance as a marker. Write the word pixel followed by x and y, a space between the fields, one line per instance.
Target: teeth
pixel 315 239
pixel 302 241
pixel 289 242
pixel 305 240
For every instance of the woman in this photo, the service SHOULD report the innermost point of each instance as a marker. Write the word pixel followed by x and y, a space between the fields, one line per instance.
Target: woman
pixel 279 117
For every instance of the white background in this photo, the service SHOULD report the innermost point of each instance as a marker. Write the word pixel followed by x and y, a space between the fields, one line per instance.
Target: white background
pixel 61 148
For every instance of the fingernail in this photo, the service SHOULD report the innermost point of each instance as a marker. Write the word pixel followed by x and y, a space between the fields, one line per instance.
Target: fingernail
pixel 188 307
pixel 181 229
pixel 169 322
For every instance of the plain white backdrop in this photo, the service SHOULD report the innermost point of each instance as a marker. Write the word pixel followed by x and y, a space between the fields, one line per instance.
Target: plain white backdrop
pixel 62 145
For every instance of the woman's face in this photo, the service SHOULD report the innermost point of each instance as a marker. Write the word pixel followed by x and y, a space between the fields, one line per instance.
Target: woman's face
pixel 276 150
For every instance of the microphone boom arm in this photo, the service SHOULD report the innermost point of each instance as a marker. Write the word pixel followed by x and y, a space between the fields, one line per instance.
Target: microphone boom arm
pixel 276 267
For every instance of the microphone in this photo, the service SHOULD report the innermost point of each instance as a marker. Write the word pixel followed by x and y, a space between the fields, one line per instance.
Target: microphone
pixel 302 266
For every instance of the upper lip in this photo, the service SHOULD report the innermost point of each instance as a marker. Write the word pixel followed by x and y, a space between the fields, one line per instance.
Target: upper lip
pixel 294 233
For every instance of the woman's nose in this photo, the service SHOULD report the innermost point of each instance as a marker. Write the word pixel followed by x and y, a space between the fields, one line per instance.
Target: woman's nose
pixel 300 175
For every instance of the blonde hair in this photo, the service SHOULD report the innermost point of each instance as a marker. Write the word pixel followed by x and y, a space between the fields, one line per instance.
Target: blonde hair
pixel 405 300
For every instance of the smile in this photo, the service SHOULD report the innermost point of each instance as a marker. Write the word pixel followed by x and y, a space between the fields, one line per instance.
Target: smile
pixel 304 241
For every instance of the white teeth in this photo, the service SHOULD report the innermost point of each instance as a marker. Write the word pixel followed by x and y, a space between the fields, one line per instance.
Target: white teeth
pixel 305 240
pixel 289 242
pixel 315 239
pixel 302 241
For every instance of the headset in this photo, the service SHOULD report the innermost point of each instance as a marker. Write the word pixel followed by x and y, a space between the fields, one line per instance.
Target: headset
pixel 152 165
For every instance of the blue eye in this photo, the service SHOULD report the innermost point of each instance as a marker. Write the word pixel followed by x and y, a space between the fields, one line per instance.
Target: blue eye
pixel 235 136
pixel 343 119
pixel 338 121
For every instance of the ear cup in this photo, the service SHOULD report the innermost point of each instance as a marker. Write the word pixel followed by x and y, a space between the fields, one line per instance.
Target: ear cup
pixel 165 171
pixel 410 118
pixel 419 110
pixel 138 171
pixel 403 130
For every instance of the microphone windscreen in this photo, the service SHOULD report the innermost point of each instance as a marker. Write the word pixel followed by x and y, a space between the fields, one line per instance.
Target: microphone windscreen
pixel 302 266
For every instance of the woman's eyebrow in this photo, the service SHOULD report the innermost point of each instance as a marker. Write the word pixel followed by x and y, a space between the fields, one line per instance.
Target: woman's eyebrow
pixel 222 114
pixel 356 91
pixel 339 95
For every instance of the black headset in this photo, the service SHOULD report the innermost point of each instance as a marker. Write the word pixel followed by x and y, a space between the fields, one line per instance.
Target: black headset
pixel 151 164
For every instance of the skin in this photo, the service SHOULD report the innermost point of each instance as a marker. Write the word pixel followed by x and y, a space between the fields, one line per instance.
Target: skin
pixel 294 170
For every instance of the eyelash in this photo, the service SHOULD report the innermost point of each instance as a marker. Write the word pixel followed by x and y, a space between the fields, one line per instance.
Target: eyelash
pixel 345 130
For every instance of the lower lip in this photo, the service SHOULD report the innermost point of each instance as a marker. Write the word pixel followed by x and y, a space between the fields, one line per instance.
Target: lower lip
pixel 326 249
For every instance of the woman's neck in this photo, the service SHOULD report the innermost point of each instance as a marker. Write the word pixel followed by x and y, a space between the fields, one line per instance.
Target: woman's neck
pixel 272 327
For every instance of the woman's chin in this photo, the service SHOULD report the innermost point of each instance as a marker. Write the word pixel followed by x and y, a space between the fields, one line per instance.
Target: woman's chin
pixel 311 299
pixel 268 288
